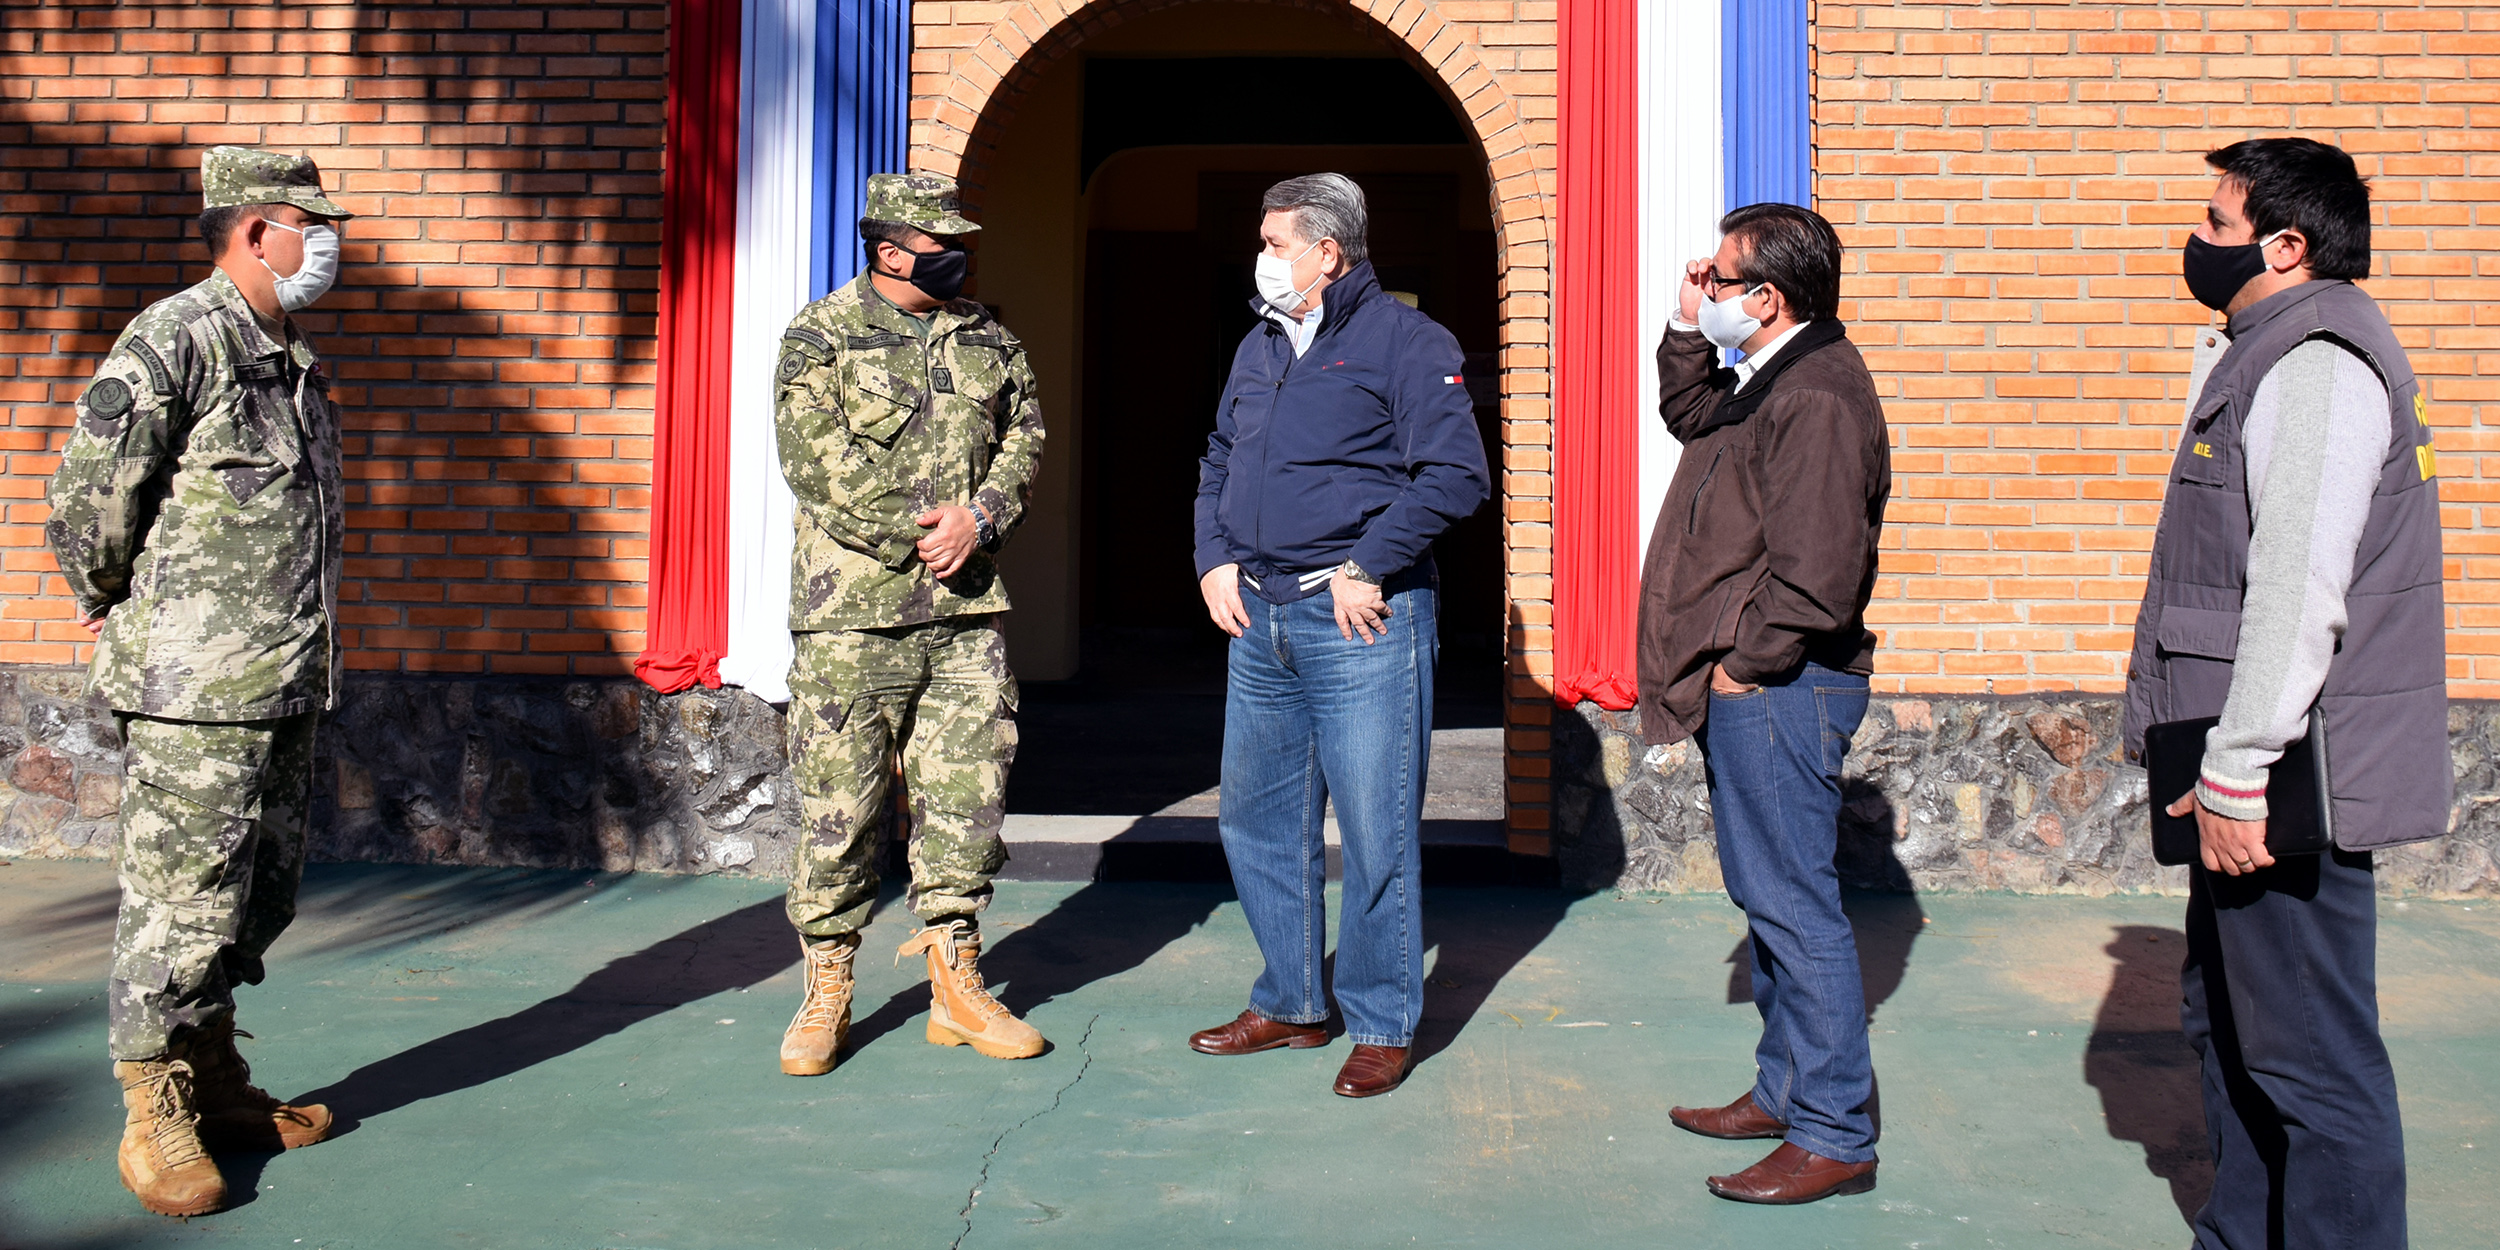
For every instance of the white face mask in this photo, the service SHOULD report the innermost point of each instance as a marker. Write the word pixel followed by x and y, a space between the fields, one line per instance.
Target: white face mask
pixel 1724 322
pixel 311 279
pixel 1275 278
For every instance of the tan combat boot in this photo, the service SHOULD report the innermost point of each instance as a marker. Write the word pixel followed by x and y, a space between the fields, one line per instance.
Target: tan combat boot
pixel 162 1159
pixel 235 1114
pixel 815 1035
pixel 961 1011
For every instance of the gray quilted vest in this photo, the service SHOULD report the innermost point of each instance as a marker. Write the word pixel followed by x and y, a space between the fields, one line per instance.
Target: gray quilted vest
pixel 2385 703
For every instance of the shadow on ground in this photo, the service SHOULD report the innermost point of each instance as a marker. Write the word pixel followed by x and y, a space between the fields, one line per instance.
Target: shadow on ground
pixel 735 951
pixel 1480 936
pixel 2143 1067
pixel 1100 931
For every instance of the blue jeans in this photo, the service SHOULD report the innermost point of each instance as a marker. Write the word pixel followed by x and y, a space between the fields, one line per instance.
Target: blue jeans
pixel 1774 759
pixel 1308 715
pixel 2281 1005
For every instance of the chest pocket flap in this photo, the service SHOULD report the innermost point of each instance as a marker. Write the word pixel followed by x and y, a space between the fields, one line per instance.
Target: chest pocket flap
pixel 268 411
pixel 2207 454
pixel 883 405
pixel 2199 632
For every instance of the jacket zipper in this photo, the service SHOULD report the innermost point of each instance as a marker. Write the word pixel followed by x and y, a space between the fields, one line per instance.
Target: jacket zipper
pixel 1267 435
pixel 1692 518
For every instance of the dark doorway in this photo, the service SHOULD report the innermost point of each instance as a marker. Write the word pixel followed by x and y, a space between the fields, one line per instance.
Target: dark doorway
pixel 1171 167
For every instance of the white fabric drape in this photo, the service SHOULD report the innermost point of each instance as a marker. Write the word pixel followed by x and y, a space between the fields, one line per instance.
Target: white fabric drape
pixel 776 210
pixel 1681 194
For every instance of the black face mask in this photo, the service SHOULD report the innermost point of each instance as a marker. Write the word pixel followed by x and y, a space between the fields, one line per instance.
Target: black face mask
pixel 2216 273
pixel 940 274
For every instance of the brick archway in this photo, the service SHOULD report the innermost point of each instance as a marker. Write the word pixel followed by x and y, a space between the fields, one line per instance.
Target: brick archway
pixel 972 65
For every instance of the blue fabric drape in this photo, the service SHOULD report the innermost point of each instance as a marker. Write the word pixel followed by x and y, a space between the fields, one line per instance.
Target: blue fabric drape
pixel 863 79
pixel 1764 97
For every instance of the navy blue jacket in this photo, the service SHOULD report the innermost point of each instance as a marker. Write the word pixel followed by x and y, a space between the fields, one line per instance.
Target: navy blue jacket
pixel 1363 448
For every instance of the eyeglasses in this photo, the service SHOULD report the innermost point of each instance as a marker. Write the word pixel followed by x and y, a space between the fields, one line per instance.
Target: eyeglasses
pixel 1711 281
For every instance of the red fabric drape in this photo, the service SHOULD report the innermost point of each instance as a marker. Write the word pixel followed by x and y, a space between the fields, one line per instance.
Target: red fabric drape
pixel 687 619
pixel 1596 357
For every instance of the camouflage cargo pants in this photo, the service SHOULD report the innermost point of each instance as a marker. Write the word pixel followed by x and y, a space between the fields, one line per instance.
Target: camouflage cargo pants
pixel 939 693
pixel 212 849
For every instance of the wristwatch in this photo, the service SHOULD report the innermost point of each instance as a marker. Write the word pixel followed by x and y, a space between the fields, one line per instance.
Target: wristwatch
pixel 984 531
pixel 1354 573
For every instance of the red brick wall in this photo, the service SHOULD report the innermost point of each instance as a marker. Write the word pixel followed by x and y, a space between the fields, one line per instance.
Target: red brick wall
pixel 493 328
pixel 2014 182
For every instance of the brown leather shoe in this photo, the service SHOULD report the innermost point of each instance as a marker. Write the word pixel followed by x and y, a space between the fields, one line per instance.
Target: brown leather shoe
pixel 1740 1120
pixel 1793 1174
pixel 1371 1070
pixel 1250 1032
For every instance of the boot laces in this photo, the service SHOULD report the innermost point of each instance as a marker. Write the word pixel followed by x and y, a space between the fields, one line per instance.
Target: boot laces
pixel 967 966
pixel 174 1131
pixel 827 991
pixel 227 1079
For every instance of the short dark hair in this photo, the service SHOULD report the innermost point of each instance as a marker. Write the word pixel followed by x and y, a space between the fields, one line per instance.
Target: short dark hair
pixel 1794 250
pixel 2308 186
pixel 873 232
pixel 217 225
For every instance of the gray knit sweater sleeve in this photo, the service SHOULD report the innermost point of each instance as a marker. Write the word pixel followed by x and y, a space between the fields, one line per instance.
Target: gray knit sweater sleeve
pixel 2316 436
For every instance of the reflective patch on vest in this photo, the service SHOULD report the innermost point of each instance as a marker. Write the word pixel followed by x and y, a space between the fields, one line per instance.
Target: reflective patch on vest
pixel 2205 449
pixel 2427 459
pixel 2421 408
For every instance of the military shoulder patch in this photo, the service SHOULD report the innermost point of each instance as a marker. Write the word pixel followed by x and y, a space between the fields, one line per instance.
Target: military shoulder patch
pixel 808 341
pixel 793 363
pixel 982 338
pixel 160 378
pixel 107 401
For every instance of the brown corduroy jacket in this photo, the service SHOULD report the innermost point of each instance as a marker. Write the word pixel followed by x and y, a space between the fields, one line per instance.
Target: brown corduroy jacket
pixel 1763 555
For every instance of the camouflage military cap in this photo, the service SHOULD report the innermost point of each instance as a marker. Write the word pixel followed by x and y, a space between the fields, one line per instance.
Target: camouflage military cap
pixel 925 202
pixel 230 176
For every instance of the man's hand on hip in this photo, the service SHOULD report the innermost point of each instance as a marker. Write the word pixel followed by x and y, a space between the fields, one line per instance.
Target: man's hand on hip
pixel 1360 608
pixel 952 536
pixel 1721 683
pixel 2228 846
pixel 1221 588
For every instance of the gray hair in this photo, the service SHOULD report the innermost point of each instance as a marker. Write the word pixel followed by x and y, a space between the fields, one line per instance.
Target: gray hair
pixel 1324 206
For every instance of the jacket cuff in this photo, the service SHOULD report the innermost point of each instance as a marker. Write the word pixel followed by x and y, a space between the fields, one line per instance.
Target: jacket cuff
pixel 2234 797
pixel 897 551
pixel 1377 560
pixel 1211 556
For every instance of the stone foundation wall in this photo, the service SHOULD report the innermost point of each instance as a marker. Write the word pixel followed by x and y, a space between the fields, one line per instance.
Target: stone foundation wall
pixel 604 774
pixel 1968 793
pixel 2026 794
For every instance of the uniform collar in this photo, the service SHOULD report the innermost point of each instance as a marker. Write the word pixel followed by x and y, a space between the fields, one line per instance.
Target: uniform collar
pixel 256 341
pixel 885 314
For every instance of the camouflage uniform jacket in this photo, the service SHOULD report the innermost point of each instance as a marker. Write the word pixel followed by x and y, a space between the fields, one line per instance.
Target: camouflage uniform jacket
pixel 198 499
pixel 878 424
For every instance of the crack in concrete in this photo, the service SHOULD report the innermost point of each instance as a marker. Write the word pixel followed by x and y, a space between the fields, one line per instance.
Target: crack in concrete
pixel 973 1198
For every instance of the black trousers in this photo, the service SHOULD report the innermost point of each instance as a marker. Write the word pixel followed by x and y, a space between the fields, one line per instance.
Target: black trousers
pixel 2281 1005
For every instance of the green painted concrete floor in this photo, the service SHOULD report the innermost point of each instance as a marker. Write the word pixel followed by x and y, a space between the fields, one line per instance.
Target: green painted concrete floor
pixel 529 1059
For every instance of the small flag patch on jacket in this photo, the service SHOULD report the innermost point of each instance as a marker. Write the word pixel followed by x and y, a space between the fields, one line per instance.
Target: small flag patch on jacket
pixel 1452 380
